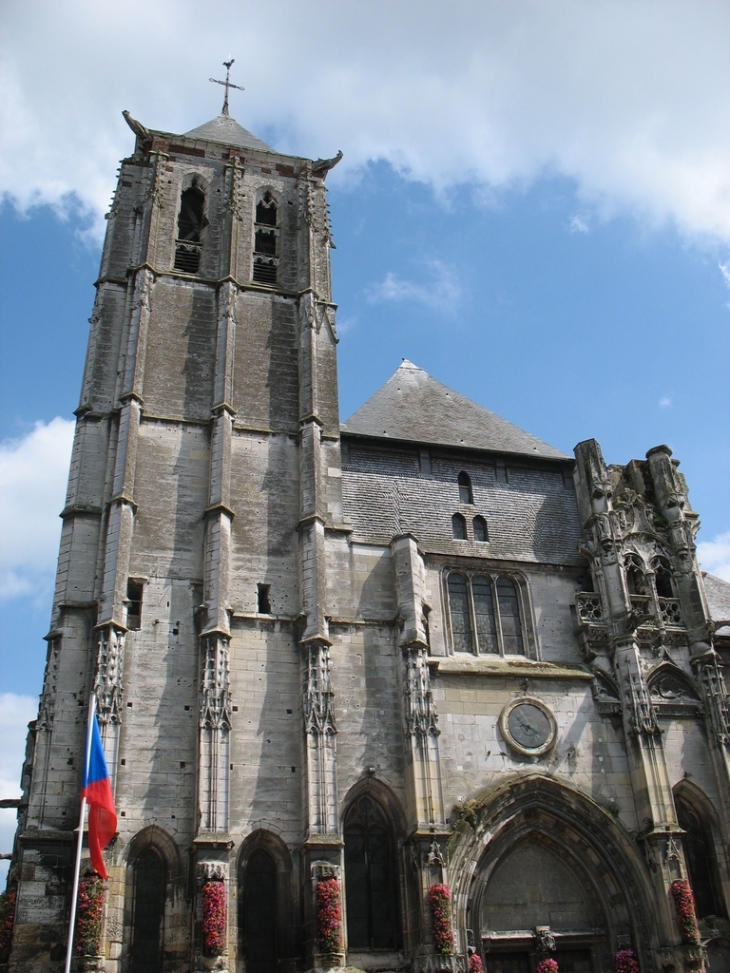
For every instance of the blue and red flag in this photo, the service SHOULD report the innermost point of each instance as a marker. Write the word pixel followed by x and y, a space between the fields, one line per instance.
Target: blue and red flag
pixel 97 789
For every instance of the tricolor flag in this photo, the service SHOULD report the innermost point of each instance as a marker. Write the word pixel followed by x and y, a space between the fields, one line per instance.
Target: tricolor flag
pixel 97 789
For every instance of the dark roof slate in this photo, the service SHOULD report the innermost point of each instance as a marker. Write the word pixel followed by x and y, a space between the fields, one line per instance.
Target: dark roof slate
pixel 225 129
pixel 718 601
pixel 414 407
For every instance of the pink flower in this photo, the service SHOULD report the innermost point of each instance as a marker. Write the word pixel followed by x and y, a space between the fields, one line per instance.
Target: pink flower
pixel 439 897
pixel 547 966
pixel 626 961
pixel 329 916
pixel 475 963
pixel 89 916
pixel 684 906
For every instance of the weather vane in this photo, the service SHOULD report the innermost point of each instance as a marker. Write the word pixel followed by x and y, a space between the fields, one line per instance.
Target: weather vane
pixel 227 83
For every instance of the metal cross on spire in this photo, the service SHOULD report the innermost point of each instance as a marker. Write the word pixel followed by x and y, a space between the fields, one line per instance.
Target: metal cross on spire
pixel 227 84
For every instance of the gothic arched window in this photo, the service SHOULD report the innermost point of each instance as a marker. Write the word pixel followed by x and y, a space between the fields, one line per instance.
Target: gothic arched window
pixel 699 853
pixel 266 240
pixel 458 527
pixel 635 579
pixel 370 878
pixel 259 913
pixel 190 221
pixel 479 527
pixel 488 607
pixel 465 494
pixel 663 577
pixel 148 912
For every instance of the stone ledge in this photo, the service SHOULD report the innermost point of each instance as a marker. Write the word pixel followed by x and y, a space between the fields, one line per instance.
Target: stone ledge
pixel 476 666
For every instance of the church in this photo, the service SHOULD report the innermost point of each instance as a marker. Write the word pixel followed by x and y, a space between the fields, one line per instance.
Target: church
pixel 416 691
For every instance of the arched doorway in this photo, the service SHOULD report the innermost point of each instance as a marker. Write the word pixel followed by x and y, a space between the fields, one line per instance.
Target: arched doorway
pixel 535 887
pixel 148 912
pixel 370 878
pixel 259 913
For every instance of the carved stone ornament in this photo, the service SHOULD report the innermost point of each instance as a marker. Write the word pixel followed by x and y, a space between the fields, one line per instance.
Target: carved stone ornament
pixel 212 872
pixel 319 715
pixel 420 718
pixel 528 726
pixel 215 698
pixel 544 939
pixel 323 869
pixel 715 697
pixel 108 681
pixel 643 714
pixel 435 856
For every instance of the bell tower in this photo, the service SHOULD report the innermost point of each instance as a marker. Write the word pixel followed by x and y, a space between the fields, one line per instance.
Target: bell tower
pixel 190 589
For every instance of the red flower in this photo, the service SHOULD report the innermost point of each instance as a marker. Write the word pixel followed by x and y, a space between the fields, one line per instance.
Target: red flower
pixel 475 963
pixel 684 906
pixel 89 916
pixel 547 966
pixel 626 961
pixel 439 898
pixel 214 918
pixel 329 916
pixel 7 922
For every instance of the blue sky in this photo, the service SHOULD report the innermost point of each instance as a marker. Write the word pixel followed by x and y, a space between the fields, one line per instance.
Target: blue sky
pixel 534 206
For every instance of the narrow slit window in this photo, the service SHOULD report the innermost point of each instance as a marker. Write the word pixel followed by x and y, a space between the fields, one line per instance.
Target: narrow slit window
pixel 134 605
pixel 465 493
pixel 461 628
pixel 264 600
pixel 189 243
pixel 458 527
pixel 480 529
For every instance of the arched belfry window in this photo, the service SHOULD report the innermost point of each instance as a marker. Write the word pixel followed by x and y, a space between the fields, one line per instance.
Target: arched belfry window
pixel 148 912
pixel 190 223
pixel 259 913
pixel 370 878
pixel 465 492
pixel 486 614
pixel 266 240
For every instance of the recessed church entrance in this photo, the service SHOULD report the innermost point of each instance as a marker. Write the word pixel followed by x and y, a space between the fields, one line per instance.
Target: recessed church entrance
pixel 149 910
pixel 259 913
pixel 538 903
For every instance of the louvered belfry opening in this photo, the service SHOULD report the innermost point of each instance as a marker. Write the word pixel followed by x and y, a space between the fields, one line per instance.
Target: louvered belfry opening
pixel 189 243
pixel 266 233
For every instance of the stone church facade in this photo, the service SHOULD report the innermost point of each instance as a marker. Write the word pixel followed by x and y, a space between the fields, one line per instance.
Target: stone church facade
pixel 418 659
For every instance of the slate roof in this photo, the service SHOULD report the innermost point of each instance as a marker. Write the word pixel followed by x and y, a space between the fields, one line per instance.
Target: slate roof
pixel 414 407
pixel 718 601
pixel 225 129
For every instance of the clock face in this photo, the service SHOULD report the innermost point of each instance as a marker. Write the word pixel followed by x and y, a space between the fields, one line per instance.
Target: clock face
pixel 528 726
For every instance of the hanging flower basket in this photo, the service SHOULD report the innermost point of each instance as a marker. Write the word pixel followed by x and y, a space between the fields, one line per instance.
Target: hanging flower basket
pixel 329 916
pixel 684 906
pixel 7 922
pixel 89 916
pixel 626 961
pixel 439 898
pixel 214 918
pixel 547 966
pixel 475 963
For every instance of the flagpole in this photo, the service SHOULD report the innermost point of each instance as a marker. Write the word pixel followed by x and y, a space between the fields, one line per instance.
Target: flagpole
pixel 80 842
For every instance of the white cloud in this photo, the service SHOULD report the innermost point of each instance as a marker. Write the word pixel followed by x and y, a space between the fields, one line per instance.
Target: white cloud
pixel 665 402
pixel 578 224
pixel 631 99
pixel 725 271
pixel 442 292
pixel 714 556
pixel 15 714
pixel 33 474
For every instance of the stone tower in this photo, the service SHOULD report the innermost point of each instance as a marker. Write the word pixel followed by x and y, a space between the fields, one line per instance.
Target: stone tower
pixel 205 476
pixel 389 694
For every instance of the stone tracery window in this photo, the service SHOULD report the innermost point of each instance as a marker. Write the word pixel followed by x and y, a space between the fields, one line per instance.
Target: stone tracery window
pixel 486 613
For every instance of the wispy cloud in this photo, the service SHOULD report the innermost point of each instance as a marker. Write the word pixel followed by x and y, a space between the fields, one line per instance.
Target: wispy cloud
pixel 714 555
pixel 33 474
pixel 665 402
pixel 442 292
pixel 578 224
pixel 725 271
